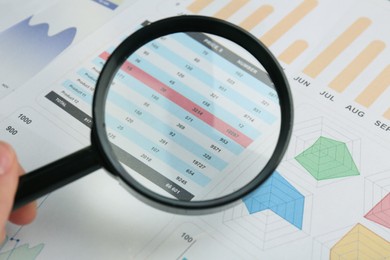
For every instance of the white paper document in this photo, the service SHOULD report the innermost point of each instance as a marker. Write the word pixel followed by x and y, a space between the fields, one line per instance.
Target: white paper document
pixel 328 199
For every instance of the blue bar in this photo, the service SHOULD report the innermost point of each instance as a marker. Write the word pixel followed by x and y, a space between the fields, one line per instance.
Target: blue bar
pixel 165 156
pixel 162 127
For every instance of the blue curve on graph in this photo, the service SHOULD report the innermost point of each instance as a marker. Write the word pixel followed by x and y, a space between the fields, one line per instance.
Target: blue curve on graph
pixel 26 49
pixel 278 195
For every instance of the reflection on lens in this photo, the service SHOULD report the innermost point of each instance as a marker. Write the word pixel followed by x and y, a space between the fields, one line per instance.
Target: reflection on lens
pixel 192 116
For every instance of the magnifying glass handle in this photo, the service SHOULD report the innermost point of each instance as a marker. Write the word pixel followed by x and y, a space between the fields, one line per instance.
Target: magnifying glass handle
pixel 55 175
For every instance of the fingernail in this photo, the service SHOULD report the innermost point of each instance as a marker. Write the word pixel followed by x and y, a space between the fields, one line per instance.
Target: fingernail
pixel 5 158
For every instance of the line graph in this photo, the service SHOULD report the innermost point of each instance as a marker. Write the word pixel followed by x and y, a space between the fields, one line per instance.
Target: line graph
pixel 27 49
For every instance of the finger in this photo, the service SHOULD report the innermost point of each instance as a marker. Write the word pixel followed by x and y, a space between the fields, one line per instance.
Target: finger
pixel 25 214
pixel 9 175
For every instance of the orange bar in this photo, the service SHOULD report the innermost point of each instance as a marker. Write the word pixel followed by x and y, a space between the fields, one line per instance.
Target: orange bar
pixel 342 81
pixel 335 48
pixel 288 22
pixel 376 88
pixel 198 5
pixel 256 17
pixel 387 114
pixel 230 9
pixel 293 51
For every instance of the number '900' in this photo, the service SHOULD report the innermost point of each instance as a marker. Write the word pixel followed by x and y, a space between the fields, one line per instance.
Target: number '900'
pixel 11 130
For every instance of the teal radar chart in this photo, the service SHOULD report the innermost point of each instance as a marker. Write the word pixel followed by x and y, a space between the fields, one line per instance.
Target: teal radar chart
pixel 26 49
pixel 328 159
pixel 19 252
pixel 278 195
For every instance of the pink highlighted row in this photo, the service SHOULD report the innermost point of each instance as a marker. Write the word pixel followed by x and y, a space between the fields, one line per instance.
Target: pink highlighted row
pixel 184 103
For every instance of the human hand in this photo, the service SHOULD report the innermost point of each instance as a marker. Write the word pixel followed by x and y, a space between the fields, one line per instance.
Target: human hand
pixel 10 170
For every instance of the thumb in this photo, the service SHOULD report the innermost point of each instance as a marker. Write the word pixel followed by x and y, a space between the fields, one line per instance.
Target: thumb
pixel 9 176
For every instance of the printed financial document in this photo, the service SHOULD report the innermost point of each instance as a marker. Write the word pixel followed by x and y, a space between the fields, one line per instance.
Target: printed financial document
pixel 328 199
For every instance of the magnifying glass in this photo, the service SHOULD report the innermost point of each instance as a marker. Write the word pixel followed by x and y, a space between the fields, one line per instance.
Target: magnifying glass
pixel 190 114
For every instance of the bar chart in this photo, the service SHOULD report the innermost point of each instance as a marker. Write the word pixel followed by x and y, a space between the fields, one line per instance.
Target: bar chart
pixel 271 21
pixel 350 59
pixel 387 114
pixel 290 20
pixel 332 51
pixel 353 61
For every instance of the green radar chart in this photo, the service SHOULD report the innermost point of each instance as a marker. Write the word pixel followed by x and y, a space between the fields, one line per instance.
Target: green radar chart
pixel 328 159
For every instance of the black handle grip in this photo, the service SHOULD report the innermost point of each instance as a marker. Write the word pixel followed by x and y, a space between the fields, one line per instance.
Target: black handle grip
pixel 55 175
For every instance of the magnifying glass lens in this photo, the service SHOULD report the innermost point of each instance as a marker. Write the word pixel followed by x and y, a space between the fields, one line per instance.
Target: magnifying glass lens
pixel 192 117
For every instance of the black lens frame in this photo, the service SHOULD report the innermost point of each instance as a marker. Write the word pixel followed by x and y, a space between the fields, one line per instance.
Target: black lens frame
pixel 189 23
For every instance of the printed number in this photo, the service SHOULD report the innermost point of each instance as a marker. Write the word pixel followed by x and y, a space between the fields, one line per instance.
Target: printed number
pixel 213 95
pixel 11 130
pixel 231 81
pixel 155 149
pixel 199 164
pixel 257 110
pixel 232 133
pixel 189 67
pixel 223 140
pixel 129 120
pixel 222 88
pixel 163 141
pixel 249 118
pixel 180 126
pixel 187 237
pixel 111 135
pixel 265 103
pixel 25 119
pixel 146 157
pixel 172 188
pixel 215 148
pixel 207 156
pixel 180 179
pixel 239 74
pixel 190 172
pixel 206 103
pixel 197 111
